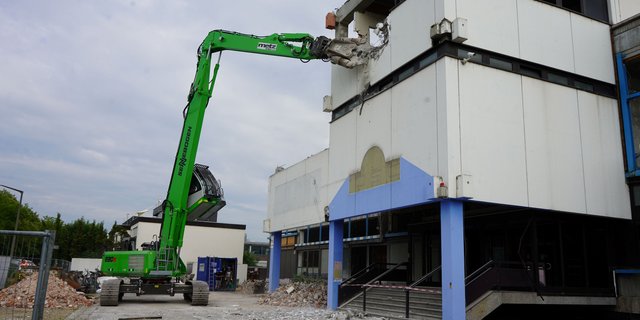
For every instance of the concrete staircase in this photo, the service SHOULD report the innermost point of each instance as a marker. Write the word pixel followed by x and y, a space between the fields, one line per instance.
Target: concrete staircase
pixel 390 303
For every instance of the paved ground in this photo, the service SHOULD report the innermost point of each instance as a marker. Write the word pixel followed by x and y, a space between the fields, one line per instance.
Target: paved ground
pixel 22 313
pixel 222 305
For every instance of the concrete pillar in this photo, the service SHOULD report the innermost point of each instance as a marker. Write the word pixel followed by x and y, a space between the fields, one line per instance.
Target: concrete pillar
pixel 274 261
pixel 452 239
pixel 335 263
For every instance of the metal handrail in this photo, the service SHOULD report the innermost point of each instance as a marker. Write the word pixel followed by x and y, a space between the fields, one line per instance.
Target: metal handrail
pixel 425 277
pixel 480 271
pixel 359 273
pixel 364 286
pixel 385 273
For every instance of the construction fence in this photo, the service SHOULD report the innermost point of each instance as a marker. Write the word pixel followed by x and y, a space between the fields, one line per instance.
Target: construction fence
pixel 25 261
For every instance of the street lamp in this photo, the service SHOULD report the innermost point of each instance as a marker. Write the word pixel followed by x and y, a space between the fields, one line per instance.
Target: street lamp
pixel 15 228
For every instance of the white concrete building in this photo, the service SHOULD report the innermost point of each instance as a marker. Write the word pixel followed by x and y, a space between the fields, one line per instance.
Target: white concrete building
pixel 201 239
pixel 482 125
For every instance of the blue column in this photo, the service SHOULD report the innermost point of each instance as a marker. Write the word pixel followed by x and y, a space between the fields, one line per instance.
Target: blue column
pixel 274 261
pixel 452 239
pixel 335 263
pixel 626 114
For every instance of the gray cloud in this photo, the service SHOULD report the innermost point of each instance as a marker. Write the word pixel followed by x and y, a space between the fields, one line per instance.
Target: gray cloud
pixel 91 96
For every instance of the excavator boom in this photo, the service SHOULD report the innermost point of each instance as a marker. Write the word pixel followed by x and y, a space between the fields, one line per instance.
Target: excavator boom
pixel 154 268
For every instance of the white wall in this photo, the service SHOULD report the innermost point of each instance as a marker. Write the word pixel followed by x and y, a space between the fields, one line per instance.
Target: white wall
pixel 298 195
pixel 145 232
pixel 82 264
pixel 202 241
pixel 541 33
pixel 623 9
pixel 532 143
pixel 491 129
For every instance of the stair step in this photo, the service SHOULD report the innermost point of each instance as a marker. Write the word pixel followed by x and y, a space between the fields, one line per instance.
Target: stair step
pixel 390 303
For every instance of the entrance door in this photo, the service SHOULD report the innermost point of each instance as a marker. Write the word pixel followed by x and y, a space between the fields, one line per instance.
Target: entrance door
pixel 378 254
pixel 358 259
pixel 432 254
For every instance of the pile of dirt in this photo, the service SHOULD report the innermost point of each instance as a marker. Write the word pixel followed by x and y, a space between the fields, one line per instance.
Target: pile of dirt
pixel 59 294
pixel 298 294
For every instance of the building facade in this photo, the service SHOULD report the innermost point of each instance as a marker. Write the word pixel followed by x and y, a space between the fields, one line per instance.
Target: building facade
pixel 485 146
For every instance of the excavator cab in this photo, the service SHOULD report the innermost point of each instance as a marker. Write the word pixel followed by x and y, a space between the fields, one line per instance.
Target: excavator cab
pixel 205 191
pixel 206 196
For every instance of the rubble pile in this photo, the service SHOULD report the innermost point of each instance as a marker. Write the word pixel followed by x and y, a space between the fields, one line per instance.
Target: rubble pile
pixel 59 294
pixel 252 286
pixel 298 294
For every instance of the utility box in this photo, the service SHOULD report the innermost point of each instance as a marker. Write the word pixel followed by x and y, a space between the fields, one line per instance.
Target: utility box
pixel 219 273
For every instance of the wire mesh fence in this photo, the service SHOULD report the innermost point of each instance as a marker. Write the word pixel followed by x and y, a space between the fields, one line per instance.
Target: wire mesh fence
pixel 25 261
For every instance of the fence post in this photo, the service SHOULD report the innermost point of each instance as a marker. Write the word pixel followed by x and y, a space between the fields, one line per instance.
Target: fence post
pixel 43 274
pixel 406 303
pixel 364 299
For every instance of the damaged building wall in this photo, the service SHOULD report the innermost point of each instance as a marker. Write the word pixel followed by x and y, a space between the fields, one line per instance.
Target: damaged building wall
pixel 298 194
pixel 408 23
pixel 505 131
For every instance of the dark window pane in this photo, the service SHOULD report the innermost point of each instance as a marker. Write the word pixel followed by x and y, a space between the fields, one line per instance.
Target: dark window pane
pixel 596 9
pixel 636 196
pixel 531 72
pixel 500 64
pixel 583 86
pixel 633 74
pixel 557 79
pixel 572 5
pixel 405 73
pixel 427 60
pixel 634 105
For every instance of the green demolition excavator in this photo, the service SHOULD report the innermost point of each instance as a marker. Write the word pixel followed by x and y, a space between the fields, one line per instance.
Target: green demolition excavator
pixel 193 192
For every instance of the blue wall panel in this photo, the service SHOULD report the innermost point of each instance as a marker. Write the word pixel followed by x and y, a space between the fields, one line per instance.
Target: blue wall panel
pixel 414 187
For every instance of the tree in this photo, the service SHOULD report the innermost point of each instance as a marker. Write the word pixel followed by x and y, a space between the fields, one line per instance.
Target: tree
pixel 78 239
pixel 117 233
pixel 249 259
pixel 9 204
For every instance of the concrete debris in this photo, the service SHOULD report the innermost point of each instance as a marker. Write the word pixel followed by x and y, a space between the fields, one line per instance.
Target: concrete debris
pixel 352 52
pixel 292 314
pixel 252 287
pixel 85 281
pixel 59 294
pixel 298 294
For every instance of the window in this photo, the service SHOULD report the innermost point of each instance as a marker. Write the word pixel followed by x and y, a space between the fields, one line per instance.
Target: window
pixel 310 259
pixel 595 9
pixel 287 242
pixel 633 73
pixel 630 102
pixel 500 64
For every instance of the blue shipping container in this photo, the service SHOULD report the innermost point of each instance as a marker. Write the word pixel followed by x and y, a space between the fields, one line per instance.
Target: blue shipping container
pixel 219 273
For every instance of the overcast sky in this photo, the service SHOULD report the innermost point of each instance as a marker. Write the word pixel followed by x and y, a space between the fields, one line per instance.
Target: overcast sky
pixel 91 95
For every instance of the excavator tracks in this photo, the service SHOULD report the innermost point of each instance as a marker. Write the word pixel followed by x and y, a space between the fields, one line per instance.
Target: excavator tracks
pixel 200 293
pixel 110 293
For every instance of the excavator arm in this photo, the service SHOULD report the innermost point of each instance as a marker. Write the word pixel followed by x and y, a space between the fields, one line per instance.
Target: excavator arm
pixel 153 269
pixel 175 210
